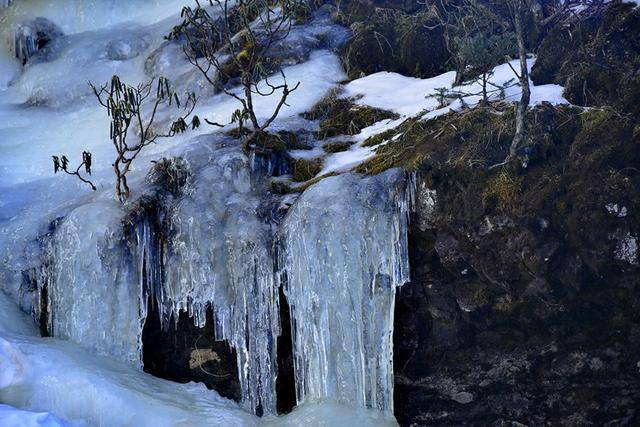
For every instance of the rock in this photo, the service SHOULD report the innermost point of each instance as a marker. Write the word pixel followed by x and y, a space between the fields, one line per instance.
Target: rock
pixel 32 36
pixel 523 296
pixel 462 397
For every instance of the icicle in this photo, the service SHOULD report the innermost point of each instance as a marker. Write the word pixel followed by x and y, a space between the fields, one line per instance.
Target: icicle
pixel 218 253
pixel 344 253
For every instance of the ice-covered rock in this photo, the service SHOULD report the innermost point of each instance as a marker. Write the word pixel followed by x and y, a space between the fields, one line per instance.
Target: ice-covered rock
pixel 31 36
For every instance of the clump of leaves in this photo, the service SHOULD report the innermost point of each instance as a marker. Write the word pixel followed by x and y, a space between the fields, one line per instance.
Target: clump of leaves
pixel 61 164
pixel 133 110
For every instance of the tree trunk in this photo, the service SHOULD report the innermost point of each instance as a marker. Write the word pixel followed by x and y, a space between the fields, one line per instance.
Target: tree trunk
pixel 459 74
pixel 484 88
pixel 521 109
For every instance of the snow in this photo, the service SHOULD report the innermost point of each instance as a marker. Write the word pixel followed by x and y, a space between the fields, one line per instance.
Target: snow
pixel 76 16
pixel 346 160
pixel 409 96
pixel 12 417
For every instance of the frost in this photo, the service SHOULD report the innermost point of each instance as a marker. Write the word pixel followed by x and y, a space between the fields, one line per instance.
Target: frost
pixel 344 253
pixel 626 248
pixel 616 210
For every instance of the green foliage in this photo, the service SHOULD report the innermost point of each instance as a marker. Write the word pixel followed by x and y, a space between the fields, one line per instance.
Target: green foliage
pixel 481 52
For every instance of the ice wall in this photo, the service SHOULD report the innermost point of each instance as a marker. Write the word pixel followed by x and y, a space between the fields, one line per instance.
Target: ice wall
pixel 344 253
pixel 90 283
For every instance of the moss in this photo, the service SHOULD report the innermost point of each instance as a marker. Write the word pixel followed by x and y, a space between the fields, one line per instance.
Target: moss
pixel 346 118
pixel 595 59
pixel 477 137
pixel 379 138
pixel 325 107
pixel 303 187
pixel 393 40
pixel 304 170
pixel 341 116
pixel 273 141
pixel 279 187
pixel 501 191
pixel 171 174
pixel 337 146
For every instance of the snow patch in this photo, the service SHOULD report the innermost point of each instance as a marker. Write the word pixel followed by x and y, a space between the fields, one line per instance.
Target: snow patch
pixel 409 96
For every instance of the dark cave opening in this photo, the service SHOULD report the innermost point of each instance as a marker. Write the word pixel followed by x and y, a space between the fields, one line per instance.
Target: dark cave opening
pixel 285 383
pixel 185 353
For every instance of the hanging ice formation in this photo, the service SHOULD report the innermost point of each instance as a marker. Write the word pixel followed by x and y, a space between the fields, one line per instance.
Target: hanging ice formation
pixel 345 252
pixel 342 253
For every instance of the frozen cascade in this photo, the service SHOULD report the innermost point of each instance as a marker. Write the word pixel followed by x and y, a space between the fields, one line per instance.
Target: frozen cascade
pixel 88 280
pixel 344 253
pixel 217 252
pixel 66 256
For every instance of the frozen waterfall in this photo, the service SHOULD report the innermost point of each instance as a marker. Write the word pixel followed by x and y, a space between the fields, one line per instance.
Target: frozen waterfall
pixel 87 267
pixel 344 253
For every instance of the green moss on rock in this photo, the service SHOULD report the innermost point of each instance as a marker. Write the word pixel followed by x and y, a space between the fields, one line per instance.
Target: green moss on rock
pixel 343 117
pixel 304 169
pixel 595 59
pixel 393 40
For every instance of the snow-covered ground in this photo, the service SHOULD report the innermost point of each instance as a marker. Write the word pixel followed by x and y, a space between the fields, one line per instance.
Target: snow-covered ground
pixel 46 376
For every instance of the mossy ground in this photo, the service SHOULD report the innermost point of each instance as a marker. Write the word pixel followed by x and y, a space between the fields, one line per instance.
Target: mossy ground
pixel 391 39
pixel 581 160
pixel 595 59
pixel 337 146
pixel 341 116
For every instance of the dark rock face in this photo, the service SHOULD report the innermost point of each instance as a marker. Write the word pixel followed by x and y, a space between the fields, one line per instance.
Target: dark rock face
pixel 185 353
pixel 596 59
pixel 523 305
